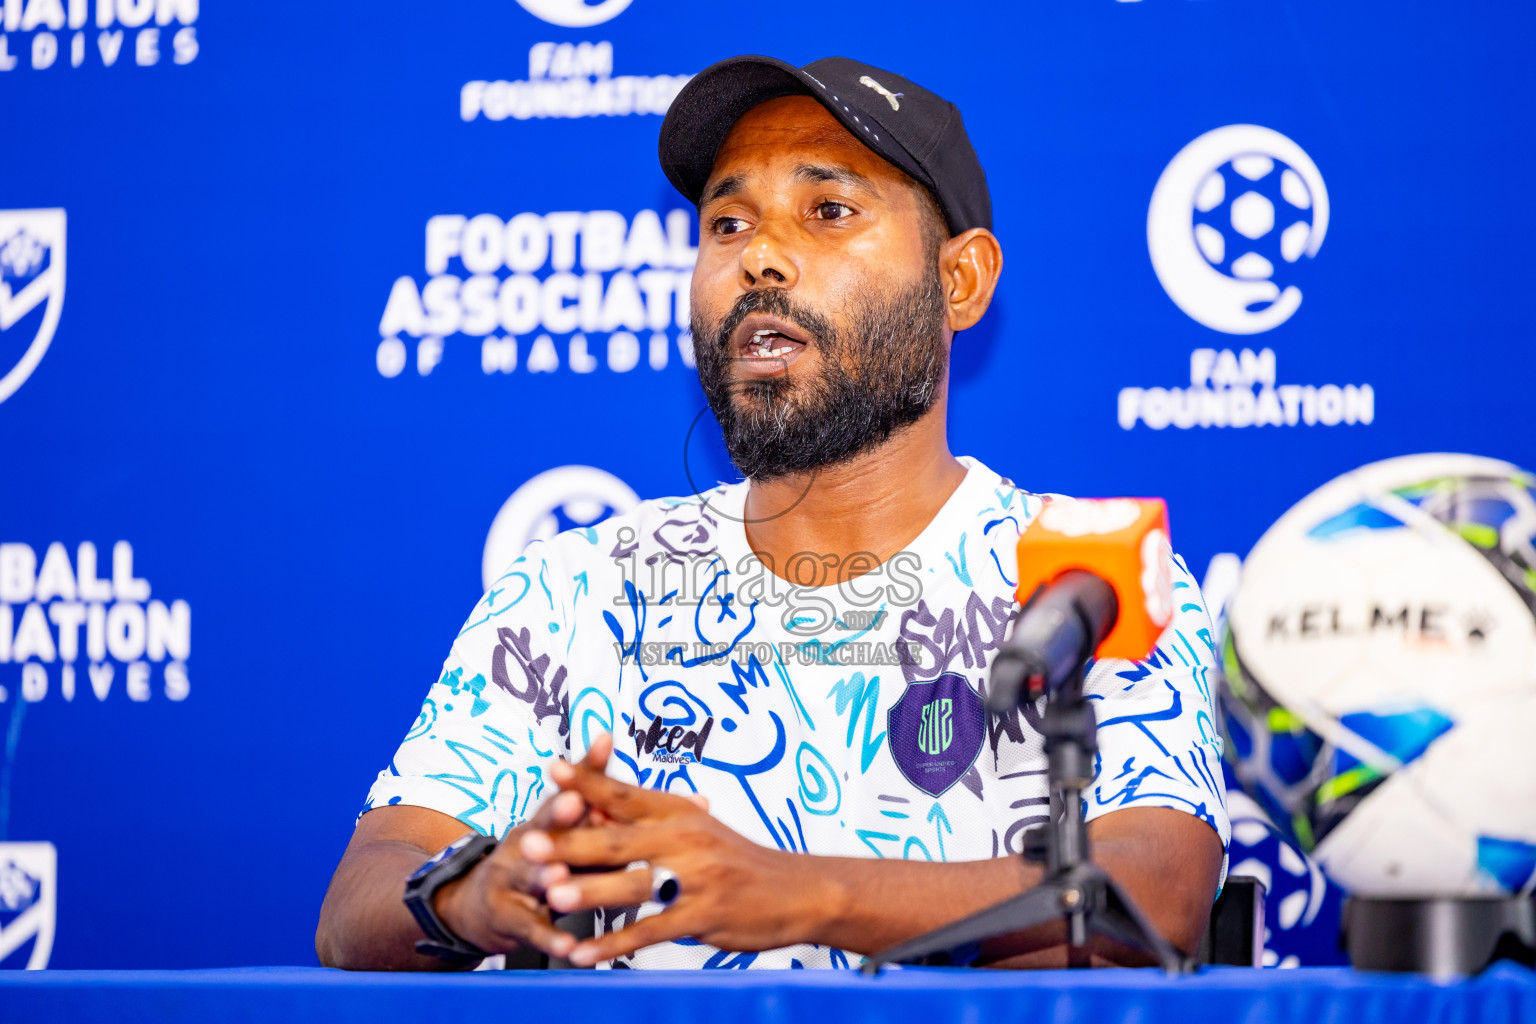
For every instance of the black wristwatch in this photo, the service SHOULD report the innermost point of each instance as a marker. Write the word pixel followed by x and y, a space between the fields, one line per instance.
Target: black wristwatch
pixel 452 861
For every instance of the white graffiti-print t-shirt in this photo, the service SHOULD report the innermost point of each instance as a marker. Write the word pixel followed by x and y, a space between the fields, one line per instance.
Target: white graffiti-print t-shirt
pixel 840 720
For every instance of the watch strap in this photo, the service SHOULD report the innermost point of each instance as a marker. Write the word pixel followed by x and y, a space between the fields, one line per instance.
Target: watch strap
pixel 451 862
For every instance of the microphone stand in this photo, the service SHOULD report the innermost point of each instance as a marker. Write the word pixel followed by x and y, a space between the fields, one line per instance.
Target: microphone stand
pixel 1074 889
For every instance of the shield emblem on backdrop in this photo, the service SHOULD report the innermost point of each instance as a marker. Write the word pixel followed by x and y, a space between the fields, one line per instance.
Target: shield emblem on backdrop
pixel 935 731
pixel 31 275
pixel 28 901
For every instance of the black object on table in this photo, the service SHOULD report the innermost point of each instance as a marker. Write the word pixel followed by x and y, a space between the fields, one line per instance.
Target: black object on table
pixel 1441 937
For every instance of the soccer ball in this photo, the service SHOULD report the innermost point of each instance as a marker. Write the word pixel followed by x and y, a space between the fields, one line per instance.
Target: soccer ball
pixel 1253 218
pixel 1379 698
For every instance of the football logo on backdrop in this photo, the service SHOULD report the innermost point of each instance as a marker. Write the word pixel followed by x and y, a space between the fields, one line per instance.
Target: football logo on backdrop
pixel 28 901
pixel 1231 216
pixel 574 13
pixel 31 275
pixel 560 499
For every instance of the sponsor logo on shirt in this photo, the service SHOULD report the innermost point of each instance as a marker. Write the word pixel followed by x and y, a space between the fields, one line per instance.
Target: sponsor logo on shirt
pixel 671 744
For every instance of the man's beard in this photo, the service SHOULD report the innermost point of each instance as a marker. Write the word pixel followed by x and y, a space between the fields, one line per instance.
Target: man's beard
pixel 880 374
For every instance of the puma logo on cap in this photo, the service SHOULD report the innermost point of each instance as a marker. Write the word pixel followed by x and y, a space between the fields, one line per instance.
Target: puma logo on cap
pixel 891 97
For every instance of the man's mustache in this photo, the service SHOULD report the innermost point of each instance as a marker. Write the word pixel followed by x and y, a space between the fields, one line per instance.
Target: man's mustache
pixel 776 302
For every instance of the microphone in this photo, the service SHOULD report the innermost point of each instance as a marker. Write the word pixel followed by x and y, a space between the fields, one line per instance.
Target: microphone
pixel 1094 581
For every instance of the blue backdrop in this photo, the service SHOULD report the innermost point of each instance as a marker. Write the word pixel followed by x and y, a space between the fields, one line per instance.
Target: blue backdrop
pixel 342 277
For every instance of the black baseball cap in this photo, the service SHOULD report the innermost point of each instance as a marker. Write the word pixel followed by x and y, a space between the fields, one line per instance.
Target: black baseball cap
pixel 907 125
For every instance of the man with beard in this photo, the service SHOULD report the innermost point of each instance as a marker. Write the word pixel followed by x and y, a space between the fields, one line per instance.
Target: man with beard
pixel 792 668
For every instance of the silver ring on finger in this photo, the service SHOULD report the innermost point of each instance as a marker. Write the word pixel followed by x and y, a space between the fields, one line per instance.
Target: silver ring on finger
pixel 665 886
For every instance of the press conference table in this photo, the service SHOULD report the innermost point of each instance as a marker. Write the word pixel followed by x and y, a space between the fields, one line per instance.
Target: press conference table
pixel 312 995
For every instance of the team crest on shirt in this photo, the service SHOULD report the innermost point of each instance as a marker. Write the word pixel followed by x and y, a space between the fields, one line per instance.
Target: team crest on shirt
pixel 936 730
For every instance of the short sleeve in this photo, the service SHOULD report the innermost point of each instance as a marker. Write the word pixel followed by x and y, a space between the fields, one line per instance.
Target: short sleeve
pixel 1158 742
pixel 500 711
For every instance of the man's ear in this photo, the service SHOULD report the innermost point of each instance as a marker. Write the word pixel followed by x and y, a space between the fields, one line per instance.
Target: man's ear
pixel 970 264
